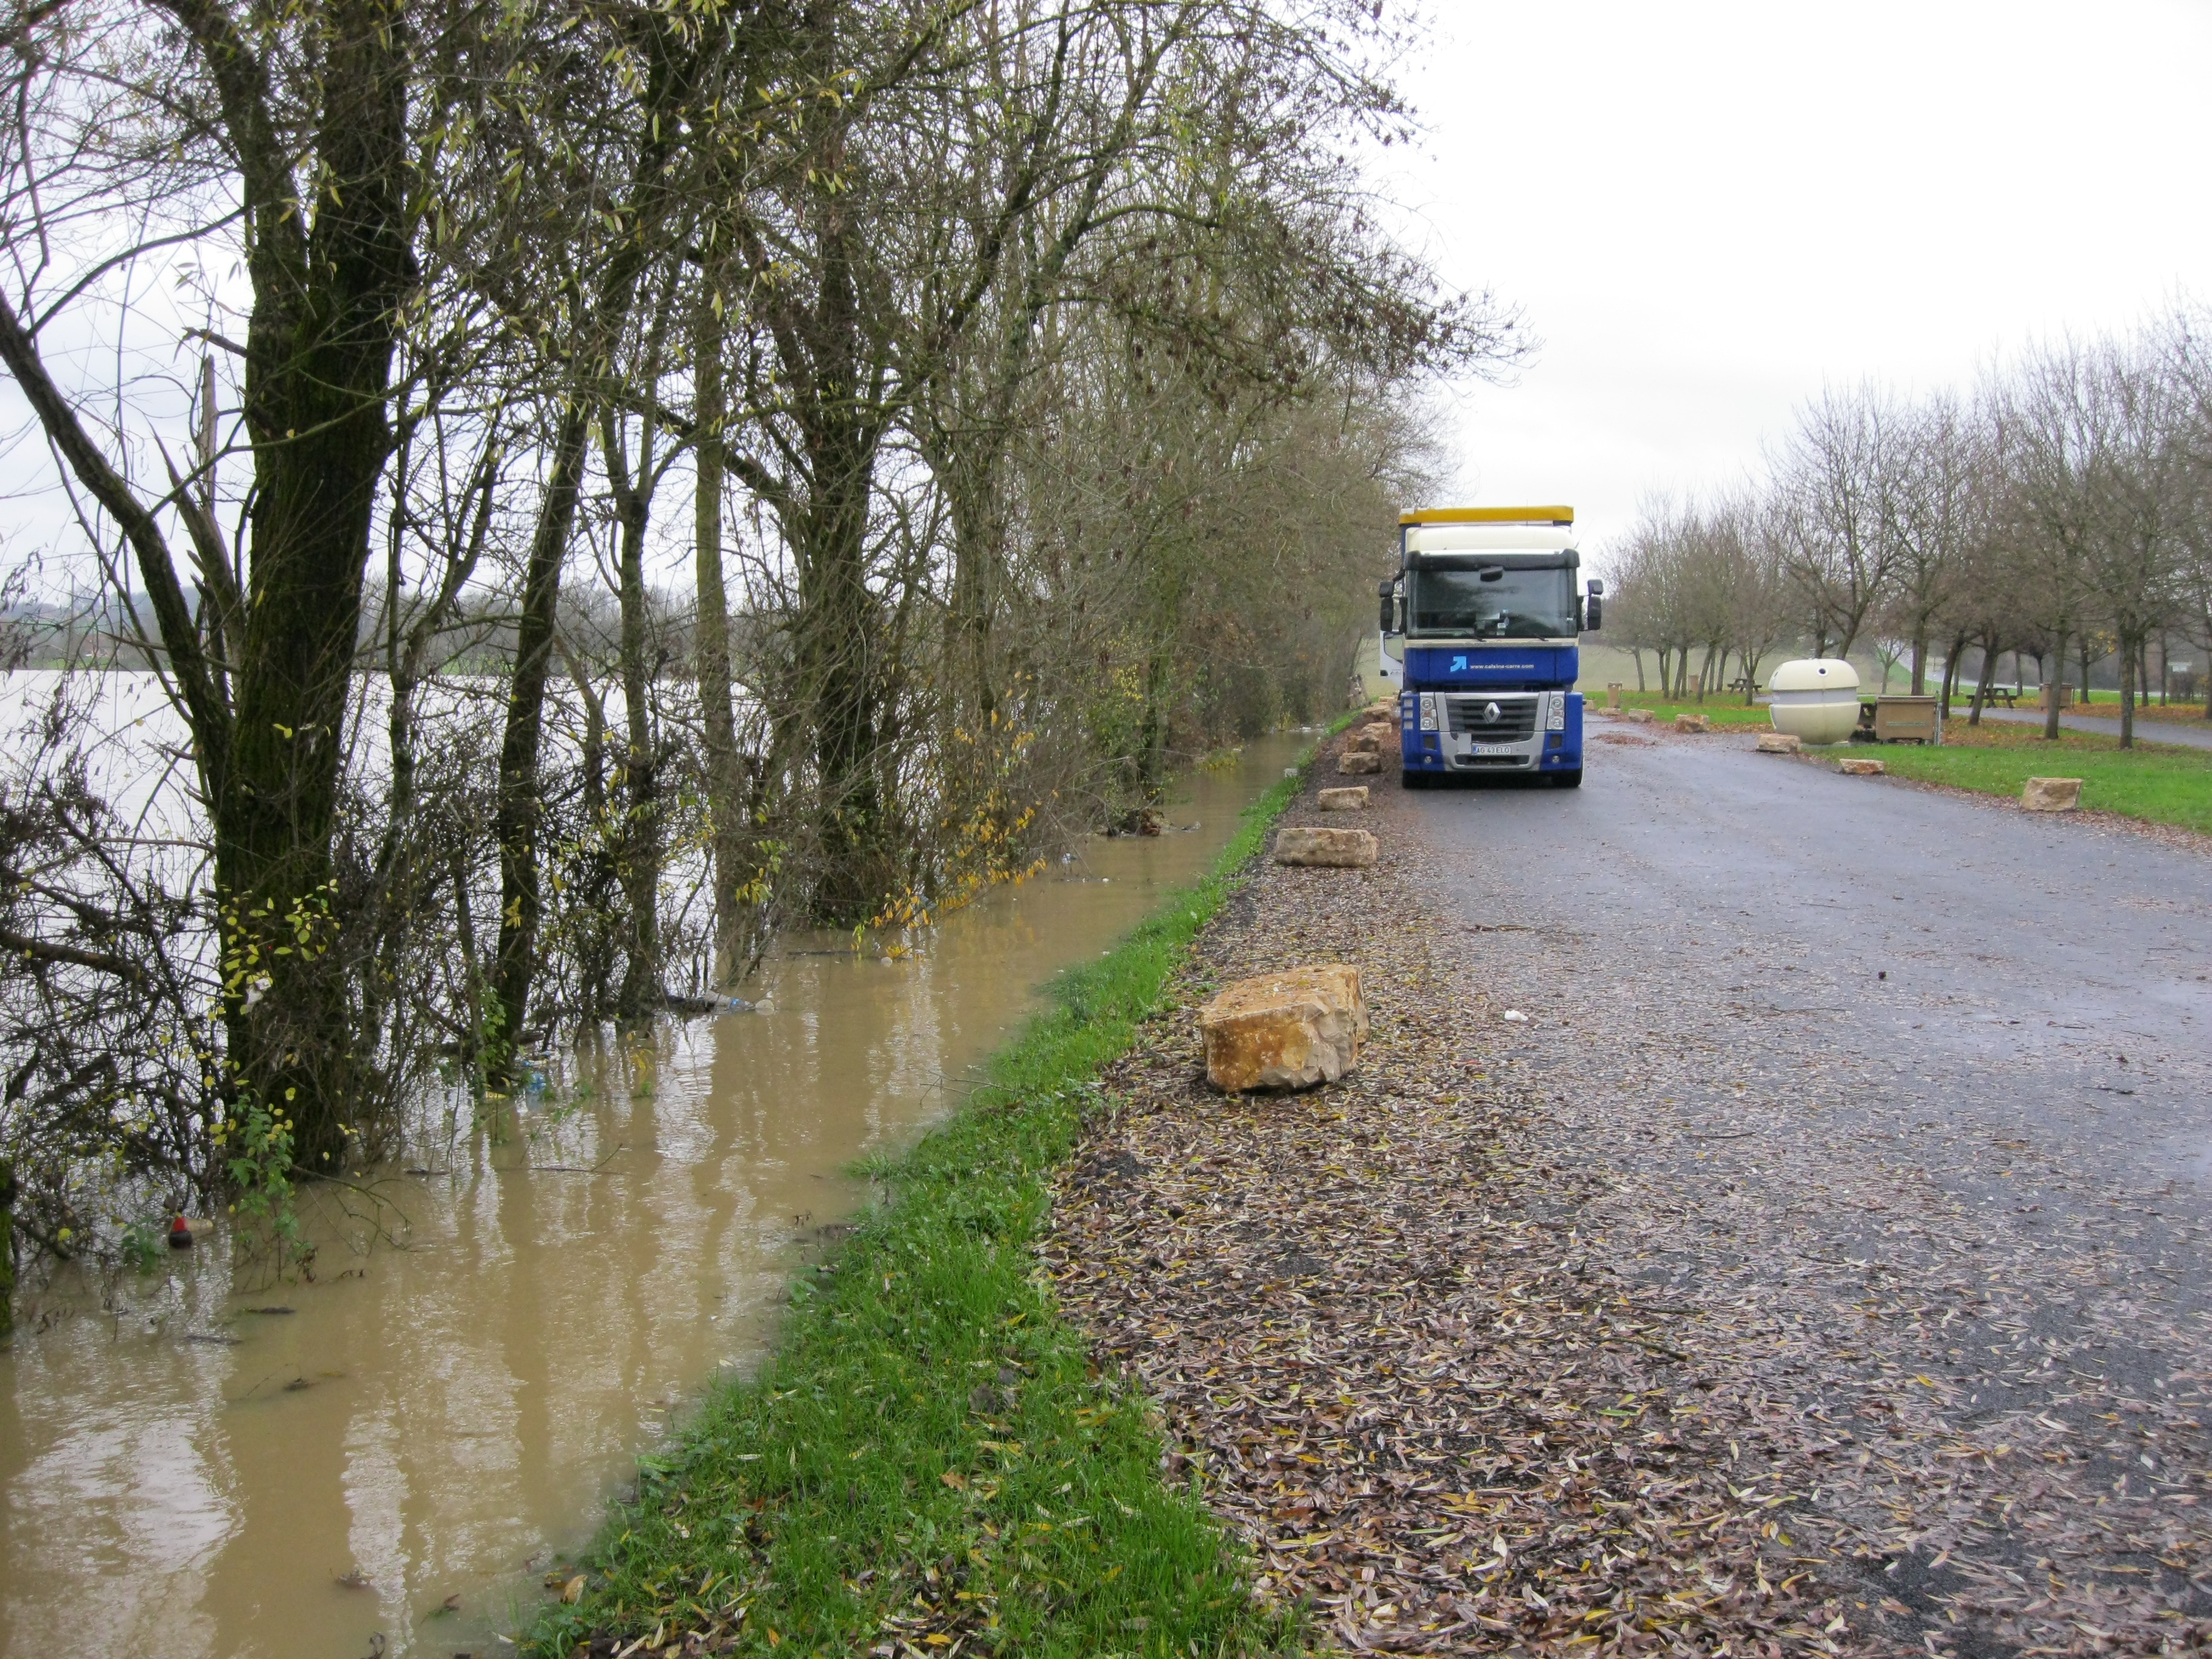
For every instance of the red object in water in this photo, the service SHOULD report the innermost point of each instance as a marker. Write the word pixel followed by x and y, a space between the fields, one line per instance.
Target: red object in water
pixel 180 1235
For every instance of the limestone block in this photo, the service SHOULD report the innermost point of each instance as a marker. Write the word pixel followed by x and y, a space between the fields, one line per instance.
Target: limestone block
pixel 1860 768
pixel 1352 798
pixel 1638 716
pixel 2051 794
pixel 1284 1031
pixel 1359 764
pixel 1688 722
pixel 1337 849
pixel 1362 742
pixel 1779 743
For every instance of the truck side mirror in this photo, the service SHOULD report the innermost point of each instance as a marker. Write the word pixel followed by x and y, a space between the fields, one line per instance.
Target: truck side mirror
pixel 1382 592
pixel 1593 609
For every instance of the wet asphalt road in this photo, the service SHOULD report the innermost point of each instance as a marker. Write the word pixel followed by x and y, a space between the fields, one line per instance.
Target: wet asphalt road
pixel 1908 1100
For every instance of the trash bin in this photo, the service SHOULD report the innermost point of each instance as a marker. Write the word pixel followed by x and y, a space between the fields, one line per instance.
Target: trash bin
pixel 1906 720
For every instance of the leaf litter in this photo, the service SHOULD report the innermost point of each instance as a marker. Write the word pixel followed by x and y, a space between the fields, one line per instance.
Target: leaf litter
pixel 1461 1389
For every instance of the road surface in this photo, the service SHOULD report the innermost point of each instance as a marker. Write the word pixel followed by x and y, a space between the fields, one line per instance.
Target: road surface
pixel 1908 1100
pixel 2190 734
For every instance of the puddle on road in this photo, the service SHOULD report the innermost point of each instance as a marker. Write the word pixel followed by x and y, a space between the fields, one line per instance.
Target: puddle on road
pixel 209 1470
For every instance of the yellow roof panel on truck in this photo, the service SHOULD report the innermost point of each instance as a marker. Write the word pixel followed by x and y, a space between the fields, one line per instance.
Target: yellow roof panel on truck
pixel 1490 516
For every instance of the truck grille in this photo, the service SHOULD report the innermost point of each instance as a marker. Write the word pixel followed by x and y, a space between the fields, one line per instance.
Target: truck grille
pixel 1515 722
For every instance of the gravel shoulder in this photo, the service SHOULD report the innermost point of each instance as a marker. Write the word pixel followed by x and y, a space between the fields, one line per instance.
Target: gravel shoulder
pixel 1790 1278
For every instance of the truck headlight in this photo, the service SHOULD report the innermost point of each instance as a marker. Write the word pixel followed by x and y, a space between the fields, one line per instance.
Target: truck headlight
pixel 1428 711
pixel 1555 712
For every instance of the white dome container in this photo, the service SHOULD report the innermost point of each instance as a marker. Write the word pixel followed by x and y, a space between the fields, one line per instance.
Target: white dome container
pixel 1815 699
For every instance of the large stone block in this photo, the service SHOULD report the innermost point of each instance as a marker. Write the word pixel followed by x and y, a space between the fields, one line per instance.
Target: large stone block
pixel 1689 722
pixel 1338 849
pixel 1351 797
pixel 1860 768
pixel 1779 743
pixel 1638 716
pixel 1362 742
pixel 1366 763
pixel 2051 794
pixel 1284 1031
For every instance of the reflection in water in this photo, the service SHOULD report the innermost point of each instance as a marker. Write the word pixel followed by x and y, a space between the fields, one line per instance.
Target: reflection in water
pixel 192 1467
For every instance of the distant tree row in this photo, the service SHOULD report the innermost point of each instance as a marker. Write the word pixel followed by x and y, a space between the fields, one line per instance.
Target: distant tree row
pixel 2061 511
pixel 601 479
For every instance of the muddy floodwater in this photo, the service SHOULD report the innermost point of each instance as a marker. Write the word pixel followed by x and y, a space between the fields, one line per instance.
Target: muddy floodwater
pixel 199 1463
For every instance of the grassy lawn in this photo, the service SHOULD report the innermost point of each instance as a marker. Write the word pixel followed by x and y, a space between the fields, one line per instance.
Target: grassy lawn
pixel 1723 709
pixel 928 1454
pixel 2161 783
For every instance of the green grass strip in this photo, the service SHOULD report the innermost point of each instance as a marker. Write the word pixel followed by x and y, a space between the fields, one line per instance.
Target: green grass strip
pixel 928 1453
pixel 1722 707
pixel 2158 783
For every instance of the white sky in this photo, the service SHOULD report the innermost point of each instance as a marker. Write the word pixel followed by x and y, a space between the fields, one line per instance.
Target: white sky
pixel 1704 209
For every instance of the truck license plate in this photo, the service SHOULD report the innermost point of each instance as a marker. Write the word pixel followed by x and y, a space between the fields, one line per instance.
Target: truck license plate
pixel 1494 749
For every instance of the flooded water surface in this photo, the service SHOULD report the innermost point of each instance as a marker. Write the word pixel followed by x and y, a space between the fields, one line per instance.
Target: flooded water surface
pixel 198 1462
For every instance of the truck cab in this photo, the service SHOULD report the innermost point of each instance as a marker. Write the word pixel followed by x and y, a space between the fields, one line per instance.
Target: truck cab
pixel 1485 618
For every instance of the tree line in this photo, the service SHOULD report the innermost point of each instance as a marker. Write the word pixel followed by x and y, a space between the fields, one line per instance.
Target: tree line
pixel 600 480
pixel 2060 510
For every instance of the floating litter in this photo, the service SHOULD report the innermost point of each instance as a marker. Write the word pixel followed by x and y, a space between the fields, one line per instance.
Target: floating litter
pixel 1517 1016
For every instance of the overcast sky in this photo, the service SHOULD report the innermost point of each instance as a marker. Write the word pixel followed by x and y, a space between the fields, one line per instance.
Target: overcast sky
pixel 1707 209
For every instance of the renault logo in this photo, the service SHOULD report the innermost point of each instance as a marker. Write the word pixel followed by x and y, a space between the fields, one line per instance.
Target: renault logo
pixel 1490 713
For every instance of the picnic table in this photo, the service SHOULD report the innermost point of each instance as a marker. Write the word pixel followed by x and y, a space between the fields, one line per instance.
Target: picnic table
pixel 2009 695
pixel 1741 684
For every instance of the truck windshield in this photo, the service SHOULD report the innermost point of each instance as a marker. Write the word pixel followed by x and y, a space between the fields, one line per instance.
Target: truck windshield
pixel 1492 603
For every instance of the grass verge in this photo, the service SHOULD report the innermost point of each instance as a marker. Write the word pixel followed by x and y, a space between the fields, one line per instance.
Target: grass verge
pixel 2160 784
pixel 928 1461
pixel 1723 709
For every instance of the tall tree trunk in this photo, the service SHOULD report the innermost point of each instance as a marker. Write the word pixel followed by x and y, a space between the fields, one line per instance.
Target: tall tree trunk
pixel 516 812
pixel 641 825
pixel 2127 656
pixel 1920 665
pixel 725 773
pixel 839 651
pixel 1982 679
pixel 2053 687
pixel 2085 667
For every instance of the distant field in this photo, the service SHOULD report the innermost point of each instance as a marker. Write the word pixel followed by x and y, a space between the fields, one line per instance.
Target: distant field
pixel 2160 783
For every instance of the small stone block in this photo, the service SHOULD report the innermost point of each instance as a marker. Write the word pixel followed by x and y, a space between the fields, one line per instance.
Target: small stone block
pixel 1365 761
pixel 2051 794
pixel 1861 768
pixel 1779 743
pixel 1334 849
pixel 1638 716
pixel 1352 798
pixel 1687 722
pixel 1284 1031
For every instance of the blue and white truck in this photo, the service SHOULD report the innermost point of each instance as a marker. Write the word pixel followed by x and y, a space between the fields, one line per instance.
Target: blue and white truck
pixel 1484 616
